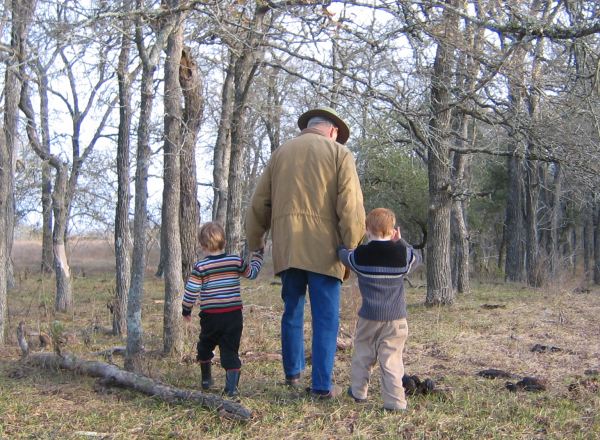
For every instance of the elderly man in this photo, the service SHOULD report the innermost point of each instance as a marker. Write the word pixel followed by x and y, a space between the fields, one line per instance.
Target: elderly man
pixel 309 196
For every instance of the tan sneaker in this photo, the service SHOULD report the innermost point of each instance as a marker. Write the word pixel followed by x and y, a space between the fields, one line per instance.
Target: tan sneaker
pixel 356 399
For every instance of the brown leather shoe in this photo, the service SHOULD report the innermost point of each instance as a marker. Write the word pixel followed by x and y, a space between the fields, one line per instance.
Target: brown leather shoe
pixel 293 381
pixel 333 393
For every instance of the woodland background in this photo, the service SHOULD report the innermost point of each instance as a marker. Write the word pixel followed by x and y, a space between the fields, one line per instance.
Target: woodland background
pixel 136 121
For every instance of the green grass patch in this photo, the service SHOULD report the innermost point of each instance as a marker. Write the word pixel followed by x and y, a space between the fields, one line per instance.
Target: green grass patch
pixel 447 344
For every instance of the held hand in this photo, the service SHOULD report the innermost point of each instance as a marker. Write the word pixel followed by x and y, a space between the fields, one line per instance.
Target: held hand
pixel 396 235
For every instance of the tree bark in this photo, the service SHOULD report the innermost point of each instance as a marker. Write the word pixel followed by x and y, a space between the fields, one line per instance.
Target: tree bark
pixel 588 244
pixel 515 201
pixel 439 274
pixel 460 233
pixel 514 223
pixel 273 110
pixel 189 214
pixel 555 216
pixel 532 177
pixel 12 88
pixel 173 334
pixel 47 220
pixel 135 333
pixel 244 71
pixel 597 244
pixel 62 271
pixel 5 186
pixel 122 232
pixel 222 151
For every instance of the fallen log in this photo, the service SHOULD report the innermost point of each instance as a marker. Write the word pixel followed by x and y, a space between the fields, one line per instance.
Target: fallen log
pixel 111 375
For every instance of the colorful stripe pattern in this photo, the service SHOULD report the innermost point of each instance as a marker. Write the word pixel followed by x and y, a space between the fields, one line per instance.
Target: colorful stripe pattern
pixel 215 283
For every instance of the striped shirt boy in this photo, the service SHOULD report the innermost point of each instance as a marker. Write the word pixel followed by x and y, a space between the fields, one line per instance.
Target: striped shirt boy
pixel 215 283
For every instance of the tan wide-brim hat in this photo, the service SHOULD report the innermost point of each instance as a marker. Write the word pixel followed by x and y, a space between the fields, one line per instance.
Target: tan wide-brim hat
pixel 331 114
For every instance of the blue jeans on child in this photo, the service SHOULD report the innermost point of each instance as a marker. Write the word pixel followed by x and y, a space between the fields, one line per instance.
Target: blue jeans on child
pixel 324 294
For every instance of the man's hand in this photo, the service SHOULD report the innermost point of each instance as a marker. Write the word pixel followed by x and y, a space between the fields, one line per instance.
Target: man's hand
pixel 187 318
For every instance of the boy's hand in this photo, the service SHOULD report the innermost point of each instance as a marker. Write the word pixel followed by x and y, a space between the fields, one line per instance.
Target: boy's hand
pixel 187 318
pixel 396 235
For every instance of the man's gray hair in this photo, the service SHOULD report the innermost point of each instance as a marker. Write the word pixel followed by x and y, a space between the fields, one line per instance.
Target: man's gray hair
pixel 316 120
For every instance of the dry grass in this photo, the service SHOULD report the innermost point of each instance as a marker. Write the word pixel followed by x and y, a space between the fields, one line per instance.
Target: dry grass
pixel 449 345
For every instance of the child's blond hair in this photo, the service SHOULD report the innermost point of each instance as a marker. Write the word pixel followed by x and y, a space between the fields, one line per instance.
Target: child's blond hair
pixel 381 222
pixel 212 237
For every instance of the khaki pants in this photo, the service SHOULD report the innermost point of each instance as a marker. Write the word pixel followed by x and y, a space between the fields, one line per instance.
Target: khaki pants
pixel 381 341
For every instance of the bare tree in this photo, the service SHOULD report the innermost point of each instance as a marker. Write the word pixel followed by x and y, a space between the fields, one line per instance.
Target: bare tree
pixel 123 243
pixel 439 280
pixel 47 218
pixel 172 336
pixel 222 150
pixel 21 12
pixel 244 70
pixel 597 244
pixel 149 60
pixel 191 86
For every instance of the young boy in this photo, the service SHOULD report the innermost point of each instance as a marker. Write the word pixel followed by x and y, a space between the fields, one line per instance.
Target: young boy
pixel 381 330
pixel 216 279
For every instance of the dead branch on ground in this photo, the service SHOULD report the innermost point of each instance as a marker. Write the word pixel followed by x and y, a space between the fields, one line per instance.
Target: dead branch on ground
pixel 111 375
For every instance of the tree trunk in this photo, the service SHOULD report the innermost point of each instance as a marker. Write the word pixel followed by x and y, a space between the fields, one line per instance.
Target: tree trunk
pixel 62 271
pixel 439 274
pixel 515 223
pixel 5 192
pixel 244 71
pixel 8 142
pixel 222 152
pixel 515 200
pixel 588 244
pixel 189 220
pixel 122 232
pixel 273 109
pixel 173 335
pixel 502 249
pixel 47 221
pixel 532 178
pixel 532 256
pixel 160 269
pixel 597 245
pixel 459 229
pixel 135 333
pixel 555 216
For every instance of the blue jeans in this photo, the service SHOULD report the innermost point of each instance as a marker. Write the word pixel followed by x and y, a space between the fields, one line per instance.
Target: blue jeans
pixel 324 294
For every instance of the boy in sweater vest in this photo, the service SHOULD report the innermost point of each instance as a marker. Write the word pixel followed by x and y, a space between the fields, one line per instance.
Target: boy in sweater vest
pixel 381 330
pixel 216 280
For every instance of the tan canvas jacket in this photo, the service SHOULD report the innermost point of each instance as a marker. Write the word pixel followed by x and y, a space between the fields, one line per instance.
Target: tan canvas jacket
pixel 309 196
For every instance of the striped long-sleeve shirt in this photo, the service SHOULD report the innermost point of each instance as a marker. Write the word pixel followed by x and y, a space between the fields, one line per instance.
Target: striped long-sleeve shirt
pixel 215 283
pixel 381 266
